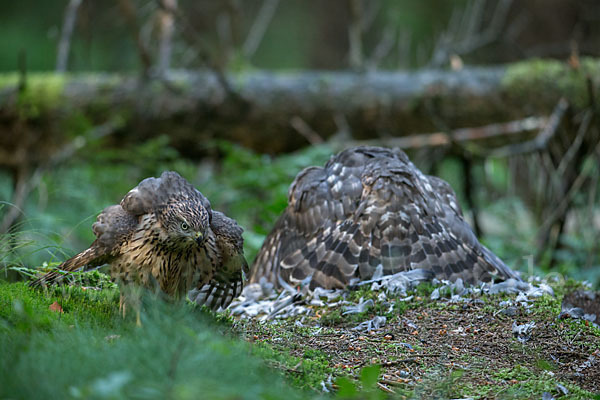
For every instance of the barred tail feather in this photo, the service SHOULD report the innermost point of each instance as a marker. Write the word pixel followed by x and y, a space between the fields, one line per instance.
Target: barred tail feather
pixel 218 293
pixel 502 270
pixel 267 260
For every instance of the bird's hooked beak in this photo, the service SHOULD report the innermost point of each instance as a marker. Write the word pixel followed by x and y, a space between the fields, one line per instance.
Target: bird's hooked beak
pixel 199 237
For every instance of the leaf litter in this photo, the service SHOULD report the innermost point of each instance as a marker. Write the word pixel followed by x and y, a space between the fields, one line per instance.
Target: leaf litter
pixel 476 329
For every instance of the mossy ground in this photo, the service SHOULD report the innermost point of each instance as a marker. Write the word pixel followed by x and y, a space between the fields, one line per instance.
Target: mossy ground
pixel 449 350
pixel 440 349
pixel 85 349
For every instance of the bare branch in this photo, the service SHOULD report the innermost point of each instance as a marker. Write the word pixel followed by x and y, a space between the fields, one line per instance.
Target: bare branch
pixel 130 16
pixel 385 388
pixel 591 208
pixel 355 31
pixel 370 14
pixel 560 209
pixel 259 27
pixel 25 184
pixel 476 40
pixel 570 154
pixel 465 34
pixel 383 48
pixel 22 64
pixel 167 23
pixel 22 188
pixel 437 139
pixel 344 131
pixel 203 55
pixel 64 44
pixel 540 140
pixel 224 32
pixel 306 131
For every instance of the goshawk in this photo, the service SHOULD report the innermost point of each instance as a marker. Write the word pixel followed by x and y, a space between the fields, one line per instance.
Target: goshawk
pixel 370 207
pixel 164 236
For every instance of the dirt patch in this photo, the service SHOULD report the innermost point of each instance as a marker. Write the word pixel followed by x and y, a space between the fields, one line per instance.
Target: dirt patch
pixel 426 341
pixel 585 300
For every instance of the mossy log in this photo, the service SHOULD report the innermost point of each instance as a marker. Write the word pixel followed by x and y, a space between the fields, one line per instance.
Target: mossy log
pixel 262 110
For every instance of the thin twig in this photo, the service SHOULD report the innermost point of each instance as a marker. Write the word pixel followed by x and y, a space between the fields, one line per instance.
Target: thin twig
pixel 464 34
pixel 411 360
pixel 167 24
pixel 25 184
pixel 460 135
pixel 391 382
pixel 259 27
pixel 130 16
pixel 204 57
pixel 568 157
pixel 565 201
pixel 541 139
pixel 355 30
pixel 385 388
pixel 383 48
pixel 305 130
pixel 64 44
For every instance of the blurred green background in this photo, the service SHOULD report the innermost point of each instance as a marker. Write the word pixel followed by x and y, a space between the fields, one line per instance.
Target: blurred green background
pixel 285 35
pixel 301 34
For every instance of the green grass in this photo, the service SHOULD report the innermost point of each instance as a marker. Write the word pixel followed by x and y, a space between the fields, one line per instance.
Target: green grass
pixel 303 372
pixel 182 351
pixel 89 351
pixel 23 309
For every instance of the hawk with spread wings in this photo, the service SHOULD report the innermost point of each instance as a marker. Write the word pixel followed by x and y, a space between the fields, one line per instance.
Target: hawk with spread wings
pixel 165 236
pixel 371 207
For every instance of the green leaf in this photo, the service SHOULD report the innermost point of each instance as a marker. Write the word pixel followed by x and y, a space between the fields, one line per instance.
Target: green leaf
pixel 347 389
pixel 369 376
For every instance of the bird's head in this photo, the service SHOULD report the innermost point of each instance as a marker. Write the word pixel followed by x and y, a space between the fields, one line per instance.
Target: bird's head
pixel 186 222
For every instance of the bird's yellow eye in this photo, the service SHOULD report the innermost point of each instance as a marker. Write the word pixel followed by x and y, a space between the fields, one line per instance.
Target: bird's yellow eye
pixel 184 226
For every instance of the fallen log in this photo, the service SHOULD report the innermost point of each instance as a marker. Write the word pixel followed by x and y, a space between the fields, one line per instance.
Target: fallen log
pixel 277 112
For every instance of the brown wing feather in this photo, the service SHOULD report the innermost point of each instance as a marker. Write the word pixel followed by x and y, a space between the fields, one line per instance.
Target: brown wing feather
pixel 316 202
pixel 319 199
pixel 112 227
pixel 228 281
pixel 371 207
pixel 153 192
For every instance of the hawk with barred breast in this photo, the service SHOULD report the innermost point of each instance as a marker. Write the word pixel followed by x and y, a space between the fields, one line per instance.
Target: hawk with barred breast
pixel 370 207
pixel 165 236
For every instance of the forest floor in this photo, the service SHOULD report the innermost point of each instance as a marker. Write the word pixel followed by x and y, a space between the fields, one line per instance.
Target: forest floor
pixel 442 348
pixel 448 349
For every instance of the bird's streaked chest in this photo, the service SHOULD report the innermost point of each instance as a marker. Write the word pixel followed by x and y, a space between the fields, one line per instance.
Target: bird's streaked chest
pixel 149 259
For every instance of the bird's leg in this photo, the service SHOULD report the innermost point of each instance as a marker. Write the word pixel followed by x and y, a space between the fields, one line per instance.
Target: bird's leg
pixel 122 305
pixel 130 297
pixel 135 301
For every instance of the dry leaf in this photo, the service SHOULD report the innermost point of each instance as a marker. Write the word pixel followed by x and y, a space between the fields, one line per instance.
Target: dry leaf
pixel 56 307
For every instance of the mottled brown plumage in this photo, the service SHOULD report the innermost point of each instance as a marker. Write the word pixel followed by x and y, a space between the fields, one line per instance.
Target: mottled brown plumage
pixel 164 236
pixel 371 207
